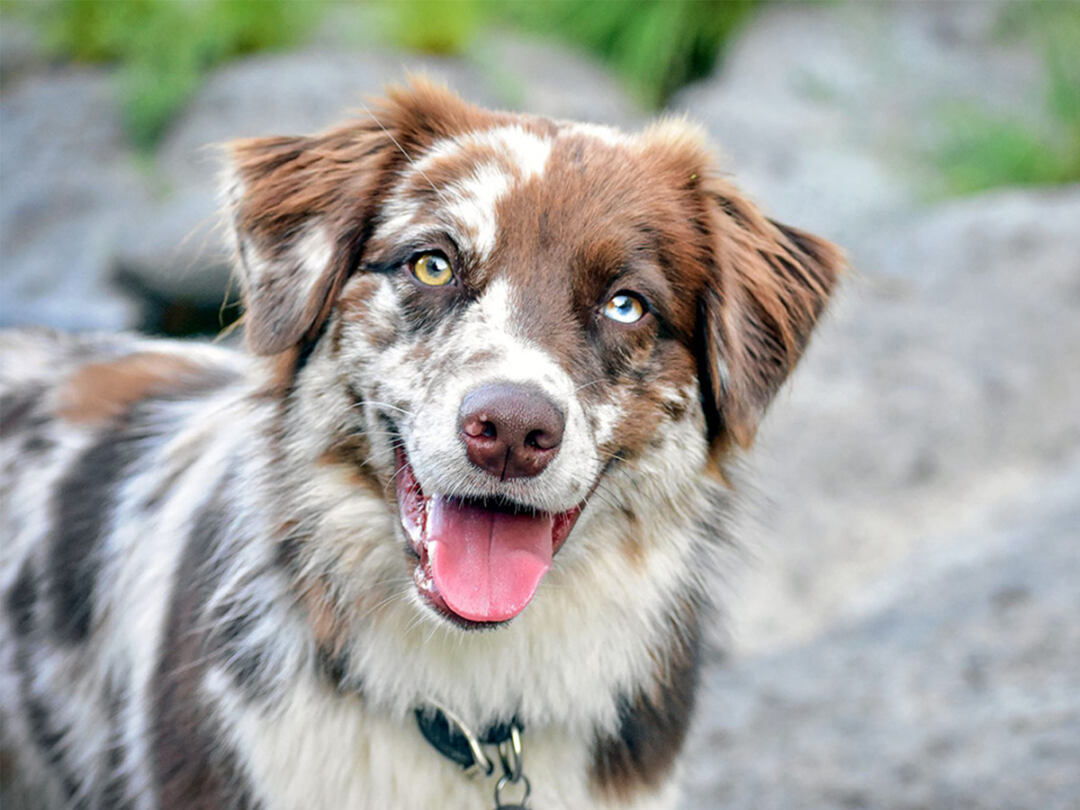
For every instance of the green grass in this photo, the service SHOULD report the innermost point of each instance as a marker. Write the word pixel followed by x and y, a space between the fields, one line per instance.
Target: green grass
pixel 985 151
pixel 162 48
pixel 656 46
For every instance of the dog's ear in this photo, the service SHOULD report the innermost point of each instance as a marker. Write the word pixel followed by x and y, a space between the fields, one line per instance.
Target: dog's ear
pixel 297 209
pixel 300 208
pixel 770 283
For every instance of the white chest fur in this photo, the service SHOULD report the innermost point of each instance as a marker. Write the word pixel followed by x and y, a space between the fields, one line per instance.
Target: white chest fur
pixel 320 750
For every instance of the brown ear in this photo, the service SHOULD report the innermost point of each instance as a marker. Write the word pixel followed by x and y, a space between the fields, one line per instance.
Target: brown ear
pixel 301 207
pixel 298 208
pixel 772 282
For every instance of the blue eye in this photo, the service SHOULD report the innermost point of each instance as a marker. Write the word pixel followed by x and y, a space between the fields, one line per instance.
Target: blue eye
pixel 624 307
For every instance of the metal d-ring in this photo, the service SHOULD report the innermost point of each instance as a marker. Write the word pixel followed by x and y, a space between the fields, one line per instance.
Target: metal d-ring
pixel 510 754
pixel 510 759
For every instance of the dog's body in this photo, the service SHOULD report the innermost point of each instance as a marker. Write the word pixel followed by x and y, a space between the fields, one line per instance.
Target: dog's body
pixel 230 581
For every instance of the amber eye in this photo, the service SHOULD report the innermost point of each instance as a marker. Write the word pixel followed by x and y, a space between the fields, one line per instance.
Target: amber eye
pixel 432 269
pixel 625 307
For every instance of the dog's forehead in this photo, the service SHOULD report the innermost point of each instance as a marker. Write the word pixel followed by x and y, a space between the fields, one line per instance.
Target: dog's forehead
pixel 517 150
pixel 569 173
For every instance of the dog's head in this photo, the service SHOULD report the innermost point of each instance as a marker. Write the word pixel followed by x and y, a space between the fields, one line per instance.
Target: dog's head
pixel 514 322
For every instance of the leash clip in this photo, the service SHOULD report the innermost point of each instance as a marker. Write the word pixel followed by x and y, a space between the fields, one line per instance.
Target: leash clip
pixel 513 772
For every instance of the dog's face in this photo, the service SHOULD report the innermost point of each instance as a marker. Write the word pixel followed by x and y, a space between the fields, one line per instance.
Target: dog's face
pixel 517 323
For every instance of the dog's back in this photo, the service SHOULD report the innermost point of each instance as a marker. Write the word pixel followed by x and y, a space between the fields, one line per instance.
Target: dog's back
pixel 105 460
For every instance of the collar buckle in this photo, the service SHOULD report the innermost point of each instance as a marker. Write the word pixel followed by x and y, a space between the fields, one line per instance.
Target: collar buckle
pixel 450 736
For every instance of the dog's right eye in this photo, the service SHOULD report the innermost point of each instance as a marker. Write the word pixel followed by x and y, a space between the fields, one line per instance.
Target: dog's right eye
pixel 432 269
pixel 625 307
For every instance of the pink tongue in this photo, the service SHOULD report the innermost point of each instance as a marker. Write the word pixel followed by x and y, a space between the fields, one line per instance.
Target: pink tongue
pixel 486 564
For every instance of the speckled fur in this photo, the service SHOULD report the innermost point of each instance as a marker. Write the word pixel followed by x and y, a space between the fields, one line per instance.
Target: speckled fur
pixel 206 596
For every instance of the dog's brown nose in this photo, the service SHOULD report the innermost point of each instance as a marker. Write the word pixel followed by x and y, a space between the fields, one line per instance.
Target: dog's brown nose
pixel 509 430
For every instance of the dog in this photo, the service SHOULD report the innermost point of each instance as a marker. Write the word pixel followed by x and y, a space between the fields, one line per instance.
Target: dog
pixel 445 534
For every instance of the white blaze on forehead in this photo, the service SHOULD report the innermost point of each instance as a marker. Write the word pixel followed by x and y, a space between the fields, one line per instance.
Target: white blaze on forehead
pixel 495 305
pixel 522 152
pixel 493 323
pixel 605 134
pixel 471 202
pixel 527 151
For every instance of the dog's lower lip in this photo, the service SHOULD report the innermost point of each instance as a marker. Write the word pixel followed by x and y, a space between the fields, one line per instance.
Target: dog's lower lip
pixel 514 563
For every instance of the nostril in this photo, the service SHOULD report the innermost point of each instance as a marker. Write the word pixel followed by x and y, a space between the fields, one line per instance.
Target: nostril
pixel 477 427
pixel 540 440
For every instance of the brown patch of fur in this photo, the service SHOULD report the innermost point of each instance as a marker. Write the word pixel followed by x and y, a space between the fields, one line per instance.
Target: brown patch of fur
pixel 102 392
pixel 328 627
pixel 352 452
pixel 632 549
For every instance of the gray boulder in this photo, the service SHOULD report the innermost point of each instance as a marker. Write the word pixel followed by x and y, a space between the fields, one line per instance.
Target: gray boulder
pixel 20 51
pixel 962 690
pixel 945 382
pixel 70 189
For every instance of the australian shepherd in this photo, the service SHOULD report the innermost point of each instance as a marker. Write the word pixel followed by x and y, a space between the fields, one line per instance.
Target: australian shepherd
pixel 444 534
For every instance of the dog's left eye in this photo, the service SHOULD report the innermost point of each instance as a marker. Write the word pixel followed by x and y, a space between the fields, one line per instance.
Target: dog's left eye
pixel 625 307
pixel 432 269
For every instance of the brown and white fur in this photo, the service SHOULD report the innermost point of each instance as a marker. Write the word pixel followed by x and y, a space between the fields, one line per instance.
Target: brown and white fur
pixel 208 597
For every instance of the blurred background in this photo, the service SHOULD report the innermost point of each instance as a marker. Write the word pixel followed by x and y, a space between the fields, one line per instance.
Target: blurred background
pixel 904 629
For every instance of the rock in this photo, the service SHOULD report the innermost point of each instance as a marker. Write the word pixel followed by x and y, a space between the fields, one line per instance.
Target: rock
pixel 173 249
pixel 826 112
pixel 70 186
pixel 544 78
pixel 20 52
pixel 962 690
pixel 304 92
pixel 944 382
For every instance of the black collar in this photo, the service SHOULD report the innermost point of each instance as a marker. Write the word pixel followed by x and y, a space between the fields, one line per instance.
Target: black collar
pixel 448 738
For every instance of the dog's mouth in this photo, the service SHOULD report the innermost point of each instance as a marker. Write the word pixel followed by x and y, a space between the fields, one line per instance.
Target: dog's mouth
pixel 479 561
